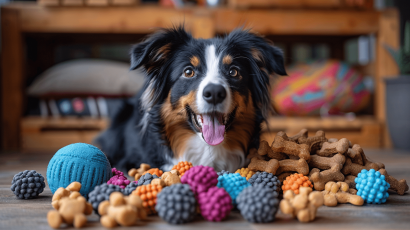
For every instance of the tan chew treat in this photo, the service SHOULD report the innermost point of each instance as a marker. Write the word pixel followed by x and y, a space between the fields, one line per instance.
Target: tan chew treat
pixel 260 165
pixel 137 173
pixel 352 191
pixel 69 208
pixel 355 154
pixel 103 207
pixel 108 222
pixel 266 150
pixel 291 148
pixel 74 195
pixel 54 219
pixel 80 220
pixel 351 168
pixel 245 172
pixel 349 179
pixel 158 181
pixel 117 199
pixel 329 149
pixel 339 193
pixel 60 193
pixel 132 172
pixel 320 179
pixel 170 178
pixel 74 187
pixel 315 142
pixel 327 162
pixel 303 206
pixel 301 134
pixel 288 165
pixel 400 186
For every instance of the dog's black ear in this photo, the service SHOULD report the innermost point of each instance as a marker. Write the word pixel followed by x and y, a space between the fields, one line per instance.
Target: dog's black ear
pixel 157 48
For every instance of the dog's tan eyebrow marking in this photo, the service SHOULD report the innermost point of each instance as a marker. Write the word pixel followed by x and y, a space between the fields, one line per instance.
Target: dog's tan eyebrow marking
pixel 195 61
pixel 257 55
pixel 227 60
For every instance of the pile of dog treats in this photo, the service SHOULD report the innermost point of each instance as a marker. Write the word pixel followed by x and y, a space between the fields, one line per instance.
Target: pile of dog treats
pixel 339 172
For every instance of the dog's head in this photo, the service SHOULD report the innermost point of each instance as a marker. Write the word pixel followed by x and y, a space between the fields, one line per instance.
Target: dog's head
pixel 216 88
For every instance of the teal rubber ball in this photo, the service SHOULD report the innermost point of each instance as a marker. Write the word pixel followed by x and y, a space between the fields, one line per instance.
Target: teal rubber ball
pixel 79 162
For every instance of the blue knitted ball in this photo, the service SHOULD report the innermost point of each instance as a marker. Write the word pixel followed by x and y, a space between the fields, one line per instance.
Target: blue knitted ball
pixel 372 186
pixel 233 183
pixel 79 162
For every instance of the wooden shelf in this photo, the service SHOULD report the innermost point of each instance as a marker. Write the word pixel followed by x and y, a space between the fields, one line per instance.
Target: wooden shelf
pixel 50 134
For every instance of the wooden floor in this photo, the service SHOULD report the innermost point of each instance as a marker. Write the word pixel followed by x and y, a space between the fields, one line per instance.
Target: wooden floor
pixel 395 214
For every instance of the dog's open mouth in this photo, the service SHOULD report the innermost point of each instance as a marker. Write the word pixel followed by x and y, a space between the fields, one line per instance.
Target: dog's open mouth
pixel 212 125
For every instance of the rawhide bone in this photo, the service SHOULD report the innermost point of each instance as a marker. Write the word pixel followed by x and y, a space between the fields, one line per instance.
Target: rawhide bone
pixel 319 178
pixel 329 149
pixel 289 165
pixel 281 144
pixel 400 186
pixel 314 142
pixel 261 165
pixel 331 140
pixel 265 149
pixel 351 168
pixel 355 154
pixel 339 193
pixel 301 134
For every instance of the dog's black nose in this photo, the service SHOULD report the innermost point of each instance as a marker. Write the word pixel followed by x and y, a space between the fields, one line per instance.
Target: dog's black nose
pixel 214 94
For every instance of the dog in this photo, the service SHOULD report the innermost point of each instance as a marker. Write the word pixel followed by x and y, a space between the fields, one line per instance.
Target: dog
pixel 203 102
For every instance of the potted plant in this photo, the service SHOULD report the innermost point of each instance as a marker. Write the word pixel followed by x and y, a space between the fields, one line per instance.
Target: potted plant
pixel 398 95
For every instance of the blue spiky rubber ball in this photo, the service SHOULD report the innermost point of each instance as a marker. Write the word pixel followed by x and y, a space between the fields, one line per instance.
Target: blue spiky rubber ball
pixel 372 186
pixel 79 162
pixel 233 183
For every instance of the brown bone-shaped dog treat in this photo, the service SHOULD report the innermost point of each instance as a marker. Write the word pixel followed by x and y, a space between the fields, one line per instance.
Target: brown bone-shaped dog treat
pixel 349 179
pixel 301 134
pixel 291 148
pixel 314 142
pixel 355 153
pixel 400 186
pixel 254 153
pixel 368 163
pixel 289 165
pixel 321 178
pixel 265 149
pixel 260 165
pixel 327 162
pixel 329 149
pixel 282 176
pixel 351 168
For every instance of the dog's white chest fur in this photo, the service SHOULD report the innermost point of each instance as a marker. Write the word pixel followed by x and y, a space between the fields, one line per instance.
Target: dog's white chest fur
pixel 198 152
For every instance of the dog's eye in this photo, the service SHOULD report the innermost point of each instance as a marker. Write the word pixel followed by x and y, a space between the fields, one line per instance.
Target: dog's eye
pixel 188 72
pixel 233 72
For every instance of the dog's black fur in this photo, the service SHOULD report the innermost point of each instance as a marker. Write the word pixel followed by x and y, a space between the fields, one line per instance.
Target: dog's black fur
pixel 127 142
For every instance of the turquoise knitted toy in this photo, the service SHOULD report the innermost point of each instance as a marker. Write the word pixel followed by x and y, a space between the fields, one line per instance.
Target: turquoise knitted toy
pixel 78 162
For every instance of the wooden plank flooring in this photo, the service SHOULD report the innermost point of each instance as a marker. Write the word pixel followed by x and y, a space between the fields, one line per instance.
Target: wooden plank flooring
pixel 395 214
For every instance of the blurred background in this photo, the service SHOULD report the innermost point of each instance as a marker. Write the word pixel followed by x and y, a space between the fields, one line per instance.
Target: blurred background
pixel 64 64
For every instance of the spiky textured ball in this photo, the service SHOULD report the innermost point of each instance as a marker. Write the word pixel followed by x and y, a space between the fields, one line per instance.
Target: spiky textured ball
pixel 265 179
pixel 182 167
pixel 233 183
pixel 79 162
pixel 130 188
pixel 245 172
pixel 258 204
pixel 101 193
pixel 223 172
pixel 200 178
pixel 148 194
pixel 154 171
pixel 295 181
pixel 118 178
pixel 27 184
pixel 176 204
pixel 215 204
pixel 146 179
pixel 372 186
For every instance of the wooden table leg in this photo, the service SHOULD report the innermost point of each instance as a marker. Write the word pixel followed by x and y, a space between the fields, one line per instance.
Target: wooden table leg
pixel 11 79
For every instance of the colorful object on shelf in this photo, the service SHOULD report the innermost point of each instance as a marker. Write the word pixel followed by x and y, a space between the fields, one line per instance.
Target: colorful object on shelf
pixel 148 194
pixel 258 204
pixel 372 186
pixel 154 171
pixel 233 183
pixel 215 204
pixel 312 89
pixel 245 172
pixel 27 184
pixel 101 193
pixel 182 167
pixel 79 162
pixel 265 179
pixel 200 178
pixel 118 178
pixel 295 181
pixel 176 204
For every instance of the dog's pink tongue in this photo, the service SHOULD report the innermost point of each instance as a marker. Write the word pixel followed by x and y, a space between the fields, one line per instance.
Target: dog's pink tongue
pixel 212 130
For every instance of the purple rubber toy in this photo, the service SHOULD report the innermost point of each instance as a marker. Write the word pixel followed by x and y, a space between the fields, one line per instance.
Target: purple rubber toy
pixel 215 204
pixel 200 178
pixel 118 178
